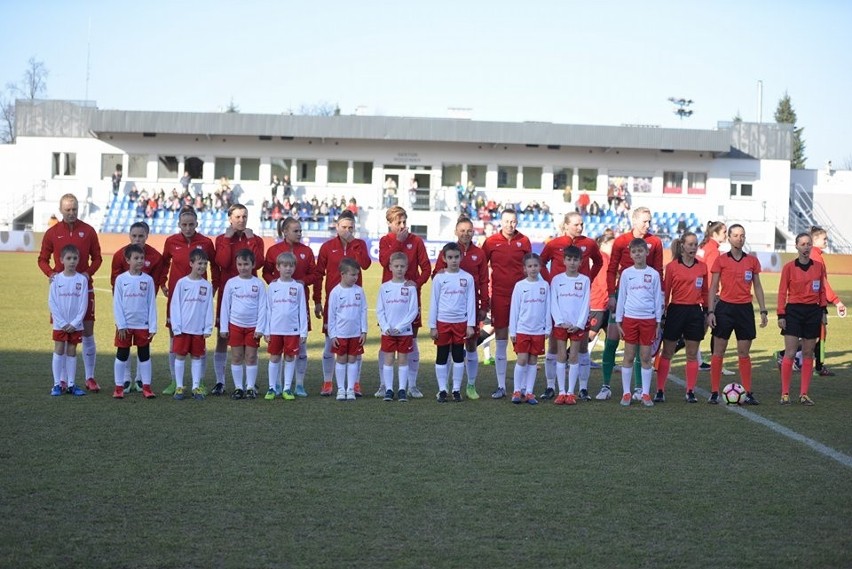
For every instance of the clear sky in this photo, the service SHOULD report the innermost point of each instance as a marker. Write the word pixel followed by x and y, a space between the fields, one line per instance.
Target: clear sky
pixel 591 62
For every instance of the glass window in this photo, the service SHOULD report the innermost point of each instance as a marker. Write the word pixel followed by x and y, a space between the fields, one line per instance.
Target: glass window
pixel 672 182
pixel 109 164
pixel 70 164
pixel 476 174
pixel 588 179
pixel 250 169
pixel 224 168
pixel 280 168
pixel 337 171
pixel 306 170
pixel 507 176
pixel 562 178
pixel 741 189
pixel 137 166
pixel 451 174
pixel 696 183
pixel 532 177
pixel 363 172
pixel 56 164
pixel 167 167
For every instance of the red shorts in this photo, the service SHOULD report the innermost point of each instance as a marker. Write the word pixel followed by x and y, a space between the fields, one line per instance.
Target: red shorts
pixel 90 309
pixel 398 344
pixel 641 331
pixel 138 338
pixel 527 344
pixel 287 345
pixel 560 333
pixel 348 347
pixel 500 311
pixel 193 344
pixel 449 334
pixel 70 337
pixel 239 336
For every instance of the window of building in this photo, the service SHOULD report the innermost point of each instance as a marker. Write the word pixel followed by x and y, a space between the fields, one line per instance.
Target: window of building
pixel 280 167
pixel 337 171
pixel 507 176
pixel 588 179
pixel 451 174
pixel 224 167
pixel 250 169
pixel 167 167
pixel 476 174
pixel 696 183
pixel 363 172
pixel 64 164
pixel 532 177
pixel 742 189
pixel 109 164
pixel 306 170
pixel 137 166
pixel 562 178
pixel 672 182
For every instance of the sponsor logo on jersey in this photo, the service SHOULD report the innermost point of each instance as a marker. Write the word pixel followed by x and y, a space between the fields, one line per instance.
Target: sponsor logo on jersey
pixel 463 282
pixel 202 291
pixel 542 291
pixel 293 292
pixel 699 282
pixel 301 255
pixel 78 286
pixel 254 288
pixel 748 276
pixel 404 291
pixel 578 286
pixel 143 286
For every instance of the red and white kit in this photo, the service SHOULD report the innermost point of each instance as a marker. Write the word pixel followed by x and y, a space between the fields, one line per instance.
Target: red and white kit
pixel 347 312
pixel 192 307
pixel 134 302
pixel 68 300
pixel 396 308
pixel 286 310
pixel 244 303
pixel 530 309
pixel 453 299
pixel 570 300
pixel 640 295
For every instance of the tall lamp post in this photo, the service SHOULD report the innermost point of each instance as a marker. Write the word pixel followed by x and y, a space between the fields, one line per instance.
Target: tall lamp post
pixel 682 107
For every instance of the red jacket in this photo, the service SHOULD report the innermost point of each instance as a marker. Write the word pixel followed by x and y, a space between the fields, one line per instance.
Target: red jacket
pixel 472 261
pixel 176 252
pixel 330 254
pixel 226 254
pixel 153 266
pixel 590 264
pixel 419 268
pixel 506 257
pixel 620 258
pixel 81 235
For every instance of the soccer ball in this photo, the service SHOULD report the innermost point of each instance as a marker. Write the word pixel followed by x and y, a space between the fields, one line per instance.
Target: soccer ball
pixel 733 393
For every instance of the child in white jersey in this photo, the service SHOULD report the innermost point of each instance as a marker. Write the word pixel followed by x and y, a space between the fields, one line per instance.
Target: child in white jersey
pixel 529 324
pixel 68 299
pixel 452 316
pixel 134 308
pixel 286 329
pixel 638 313
pixel 347 327
pixel 569 306
pixel 241 321
pixel 396 309
pixel 191 313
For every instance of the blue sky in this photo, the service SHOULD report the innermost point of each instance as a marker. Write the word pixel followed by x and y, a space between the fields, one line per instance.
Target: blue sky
pixel 606 62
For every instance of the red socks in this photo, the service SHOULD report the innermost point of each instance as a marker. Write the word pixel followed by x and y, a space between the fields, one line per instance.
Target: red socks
pixel 786 374
pixel 691 374
pixel 745 373
pixel 715 373
pixel 807 374
pixel 663 368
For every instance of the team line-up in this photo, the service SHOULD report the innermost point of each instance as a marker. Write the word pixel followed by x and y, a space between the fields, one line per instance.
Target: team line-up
pixel 549 304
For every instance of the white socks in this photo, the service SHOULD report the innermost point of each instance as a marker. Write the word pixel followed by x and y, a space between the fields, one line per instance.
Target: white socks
pixel 550 369
pixel 89 356
pixel 471 364
pixel 500 362
pixel 219 361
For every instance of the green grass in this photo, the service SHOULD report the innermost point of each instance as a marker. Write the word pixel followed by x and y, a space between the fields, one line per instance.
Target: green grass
pixel 93 482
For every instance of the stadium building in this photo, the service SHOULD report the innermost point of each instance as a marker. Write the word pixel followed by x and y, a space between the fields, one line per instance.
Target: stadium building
pixel 738 172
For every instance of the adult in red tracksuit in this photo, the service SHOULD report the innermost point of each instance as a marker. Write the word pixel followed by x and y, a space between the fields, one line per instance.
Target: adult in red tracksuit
pixel 72 231
pixel 618 261
pixel 343 245
pixel 820 241
pixel 472 261
pixel 175 266
pixel 153 259
pixel 290 232
pixel 399 239
pixel 591 264
pixel 505 252
pixel 236 238
pixel 802 298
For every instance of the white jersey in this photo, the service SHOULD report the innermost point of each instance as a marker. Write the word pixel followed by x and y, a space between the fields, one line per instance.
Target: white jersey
pixel 453 299
pixel 396 308
pixel 134 304
pixel 639 294
pixel 529 312
pixel 68 300
pixel 243 303
pixel 191 308
pixel 347 312
pixel 570 299
pixel 286 310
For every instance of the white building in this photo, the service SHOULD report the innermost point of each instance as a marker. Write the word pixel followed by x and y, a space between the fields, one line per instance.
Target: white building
pixel 737 172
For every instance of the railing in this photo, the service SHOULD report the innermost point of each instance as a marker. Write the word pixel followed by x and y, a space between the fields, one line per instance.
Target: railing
pixel 20 203
pixel 804 214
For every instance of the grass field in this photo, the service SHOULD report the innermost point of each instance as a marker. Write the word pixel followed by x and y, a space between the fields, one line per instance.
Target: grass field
pixel 94 482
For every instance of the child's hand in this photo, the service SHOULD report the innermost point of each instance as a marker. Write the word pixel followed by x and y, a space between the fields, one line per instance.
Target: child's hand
pixel 620 330
pixel 318 310
pixel 433 333
pixel 469 332
pixel 513 339
pixel 122 334
pixel 334 343
pixel 223 334
pixel 302 339
pixel 207 335
pixel 363 339
pixel 151 336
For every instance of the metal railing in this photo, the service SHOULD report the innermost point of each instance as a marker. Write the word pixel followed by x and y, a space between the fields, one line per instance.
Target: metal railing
pixel 805 213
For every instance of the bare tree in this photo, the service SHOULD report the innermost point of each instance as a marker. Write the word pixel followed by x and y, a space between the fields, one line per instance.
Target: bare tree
pixel 33 84
pixel 321 109
pixel 846 163
pixel 232 107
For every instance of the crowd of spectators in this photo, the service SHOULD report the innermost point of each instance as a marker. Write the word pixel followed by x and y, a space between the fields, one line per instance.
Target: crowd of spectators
pixel 148 205
pixel 307 209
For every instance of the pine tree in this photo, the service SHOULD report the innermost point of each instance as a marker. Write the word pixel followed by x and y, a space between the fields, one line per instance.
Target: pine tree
pixel 785 113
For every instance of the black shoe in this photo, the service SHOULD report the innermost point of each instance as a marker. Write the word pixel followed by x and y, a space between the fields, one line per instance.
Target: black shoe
pixel 238 394
pixel 704 367
pixel 389 395
pixel 750 400
pixel 660 397
pixel 457 396
pixel 690 397
pixel 549 393
pixel 442 397
pixel 714 398
pixel 401 396
pixel 584 395
pixel 218 389
pixel 251 394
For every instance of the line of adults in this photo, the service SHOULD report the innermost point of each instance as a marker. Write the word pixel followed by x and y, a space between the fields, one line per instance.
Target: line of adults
pixel 502 252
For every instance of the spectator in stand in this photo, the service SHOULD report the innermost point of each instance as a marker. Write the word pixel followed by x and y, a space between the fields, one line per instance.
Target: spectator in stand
pixel 273 187
pixel 461 195
pixel 116 180
pixel 594 209
pixel 72 231
pixel 287 188
pixel 389 193
pixel 471 191
pixel 185 180
pixel 133 194
pixel 583 202
pixel 353 207
pixel 199 203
